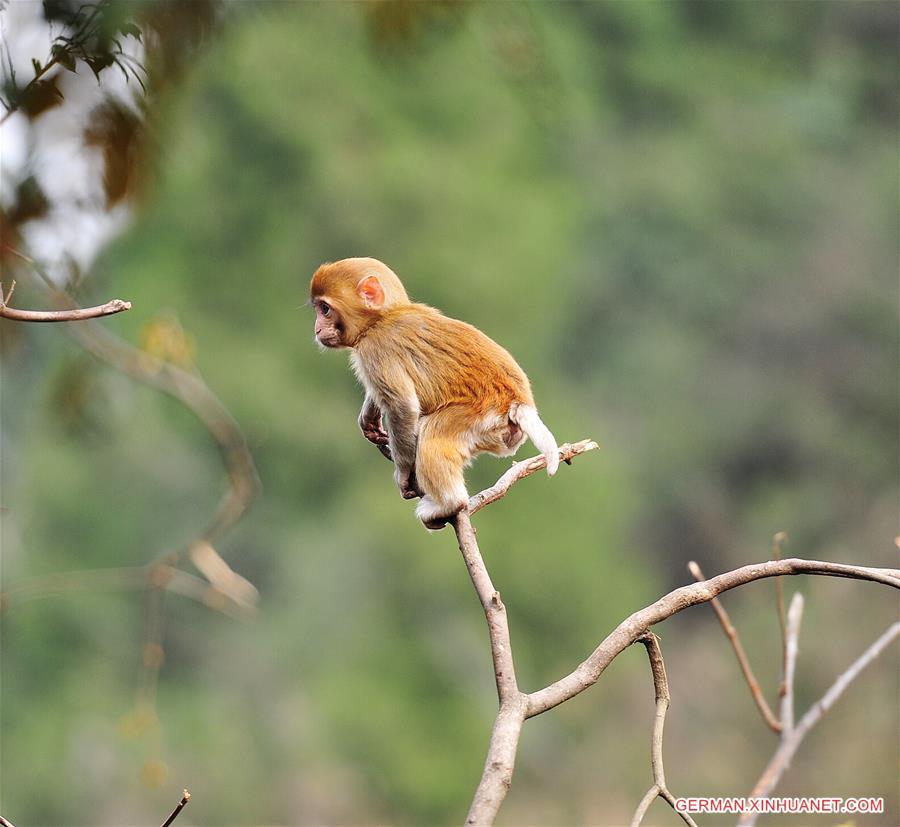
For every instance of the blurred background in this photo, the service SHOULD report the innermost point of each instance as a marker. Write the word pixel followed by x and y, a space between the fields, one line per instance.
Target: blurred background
pixel 681 217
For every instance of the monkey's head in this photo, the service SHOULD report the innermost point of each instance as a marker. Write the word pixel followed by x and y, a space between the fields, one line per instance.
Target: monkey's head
pixel 349 296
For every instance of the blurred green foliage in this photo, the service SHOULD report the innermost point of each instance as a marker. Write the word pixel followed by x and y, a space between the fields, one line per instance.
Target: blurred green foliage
pixel 681 217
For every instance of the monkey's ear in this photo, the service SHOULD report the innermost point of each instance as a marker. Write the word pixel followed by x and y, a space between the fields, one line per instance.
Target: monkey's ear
pixel 371 292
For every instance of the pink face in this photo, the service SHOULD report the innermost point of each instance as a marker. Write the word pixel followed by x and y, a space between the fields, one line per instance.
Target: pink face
pixel 329 328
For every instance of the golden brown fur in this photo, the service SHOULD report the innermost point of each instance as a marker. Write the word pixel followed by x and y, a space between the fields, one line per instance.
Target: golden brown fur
pixel 444 390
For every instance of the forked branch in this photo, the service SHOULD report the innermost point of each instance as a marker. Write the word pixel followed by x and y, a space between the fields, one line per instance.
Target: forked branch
pixel 661 688
pixel 516 706
pixel 791 739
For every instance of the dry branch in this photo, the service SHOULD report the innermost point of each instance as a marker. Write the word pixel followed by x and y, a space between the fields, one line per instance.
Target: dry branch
pixel 661 689
pixel 791 650
pixel 735 640
pixel 791 740
pixel 526 468
pixel 501 758
pixel 588 672
pixel 186 796
pixel 73 314
pixel 777 542
pixel 516 707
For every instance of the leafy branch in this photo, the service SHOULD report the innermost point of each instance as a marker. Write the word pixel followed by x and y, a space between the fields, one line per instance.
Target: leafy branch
pixel 95 34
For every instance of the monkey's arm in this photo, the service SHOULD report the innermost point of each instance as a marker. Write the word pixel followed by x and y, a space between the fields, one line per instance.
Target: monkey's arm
pixel 402 420
pixel 371 427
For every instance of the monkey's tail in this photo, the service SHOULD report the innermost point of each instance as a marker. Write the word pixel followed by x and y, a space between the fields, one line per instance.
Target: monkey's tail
pixel 526 417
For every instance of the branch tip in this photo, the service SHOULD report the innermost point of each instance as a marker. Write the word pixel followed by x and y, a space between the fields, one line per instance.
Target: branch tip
pixel 525 468
pixel 186 796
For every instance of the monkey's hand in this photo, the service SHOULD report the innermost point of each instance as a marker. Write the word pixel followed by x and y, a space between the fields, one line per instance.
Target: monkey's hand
pixel 373 430
pixel 409 487
pixel 376 434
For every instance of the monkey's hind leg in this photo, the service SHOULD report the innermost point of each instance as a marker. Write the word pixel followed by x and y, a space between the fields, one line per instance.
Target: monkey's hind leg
pixel 440 459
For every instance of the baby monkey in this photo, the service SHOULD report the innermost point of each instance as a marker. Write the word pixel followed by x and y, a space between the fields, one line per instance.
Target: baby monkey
pixel 438 391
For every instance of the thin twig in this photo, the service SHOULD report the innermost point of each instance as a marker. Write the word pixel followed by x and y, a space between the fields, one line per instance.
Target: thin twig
pixel 71 315
pixel 731 633
pixel 178 808
pixel 649 797
pixel 781 760
pixel 791 649
pixel 525 468
pixel 777 542
pixel 661 690
pixel 5 823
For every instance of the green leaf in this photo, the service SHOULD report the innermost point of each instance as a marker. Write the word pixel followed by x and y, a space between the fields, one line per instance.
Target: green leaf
pixel 98 63
pixel 63 57
pixel 130 29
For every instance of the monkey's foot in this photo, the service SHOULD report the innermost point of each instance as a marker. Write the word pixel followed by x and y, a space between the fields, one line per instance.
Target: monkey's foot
pixel 435 516
pixel 437 523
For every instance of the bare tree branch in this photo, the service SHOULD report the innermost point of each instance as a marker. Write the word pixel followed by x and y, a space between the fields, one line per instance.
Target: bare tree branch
pixel 661 688
pixel 5 823
pixel 790 742
pixel 501 757
pixel 791 649
pixel 494 610
pixel 525 468
pixel 777 542
pixel 516 707
pixel 178 808
pixel 71 315
pixel 731 633
pixel 588 672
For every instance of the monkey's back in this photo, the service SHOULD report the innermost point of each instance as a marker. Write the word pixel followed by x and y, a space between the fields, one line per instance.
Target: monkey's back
pixel 448 361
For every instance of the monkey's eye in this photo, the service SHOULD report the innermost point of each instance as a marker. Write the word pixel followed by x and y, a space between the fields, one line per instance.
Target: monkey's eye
pixel 324 309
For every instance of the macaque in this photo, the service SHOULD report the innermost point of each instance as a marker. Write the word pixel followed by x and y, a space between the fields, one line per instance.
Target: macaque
pixel 438 391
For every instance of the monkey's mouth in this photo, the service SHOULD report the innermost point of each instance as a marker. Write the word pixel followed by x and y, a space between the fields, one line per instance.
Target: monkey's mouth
pixel 328 341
